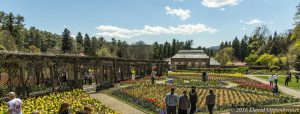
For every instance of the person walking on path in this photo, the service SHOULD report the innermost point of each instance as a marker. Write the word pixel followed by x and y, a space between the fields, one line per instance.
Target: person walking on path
pixel 210 101
pixel 193 100
pixel 204 76
pixel 275 79
pixel 275 90
pixel 171 100
pixel 86 77
pixel 286 82
pixel 297 77
pixel 153 75
pixel 14 104
pixel 290 77
pixel 184 103
pixel 271 80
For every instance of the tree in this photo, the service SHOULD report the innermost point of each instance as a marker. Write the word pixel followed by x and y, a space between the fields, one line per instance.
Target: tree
pixel 259 37
pixel 6 40
pixel 173 47
pixel 79 42
pixel 224 56
pixel 156 50
pixel 166 50
pixel 297 15
pixel 251 59
pixel 188 45
pixel 94 45
pixel 87 45
pixel 297 63
pixel 104 52
pixel 66 41
pixel 236 47
pixel 244 48
pixel 268 60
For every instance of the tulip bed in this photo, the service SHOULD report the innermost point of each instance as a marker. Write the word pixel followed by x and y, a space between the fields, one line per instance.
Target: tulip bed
pixel 238 78
pixel 152 97
pixel 248 93
pixel 49 104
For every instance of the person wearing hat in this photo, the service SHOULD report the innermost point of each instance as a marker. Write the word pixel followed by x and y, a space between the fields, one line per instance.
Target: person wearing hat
pixel 14 104
pixel 64 108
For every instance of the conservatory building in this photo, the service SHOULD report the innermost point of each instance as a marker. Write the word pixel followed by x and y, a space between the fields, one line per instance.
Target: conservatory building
pixel 192 59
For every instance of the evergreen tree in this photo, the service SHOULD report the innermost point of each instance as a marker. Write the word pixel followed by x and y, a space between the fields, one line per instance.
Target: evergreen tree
pixel 161 51
pixel 79 39
pixel 66 41
pixel 166 51
pixel 244 48
pixel 174 47
pixel 222 45
pixel 94 45
pixel 236 47
pixel 156 50
pixel 79 42
pixel 297 15
pixel 226 44
pixel 169 50
pixel 87 45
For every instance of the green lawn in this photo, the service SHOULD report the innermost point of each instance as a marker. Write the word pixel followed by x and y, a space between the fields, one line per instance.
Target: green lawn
pixel 281 79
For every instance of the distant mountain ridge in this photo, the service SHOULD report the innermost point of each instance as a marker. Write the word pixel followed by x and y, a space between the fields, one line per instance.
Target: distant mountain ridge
pixel 214 47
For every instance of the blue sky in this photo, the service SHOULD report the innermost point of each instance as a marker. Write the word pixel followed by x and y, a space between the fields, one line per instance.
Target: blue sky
pixel 207 22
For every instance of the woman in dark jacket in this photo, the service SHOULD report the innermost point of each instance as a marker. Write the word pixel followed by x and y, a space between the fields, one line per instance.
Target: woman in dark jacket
pixel 193 100
pixel 275 90
pixel 210 101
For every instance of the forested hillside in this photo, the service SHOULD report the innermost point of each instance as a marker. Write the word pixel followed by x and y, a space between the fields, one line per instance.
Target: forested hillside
pixel 264 48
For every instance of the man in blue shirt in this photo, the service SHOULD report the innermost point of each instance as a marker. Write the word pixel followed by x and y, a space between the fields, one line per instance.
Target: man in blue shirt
pixel 171 102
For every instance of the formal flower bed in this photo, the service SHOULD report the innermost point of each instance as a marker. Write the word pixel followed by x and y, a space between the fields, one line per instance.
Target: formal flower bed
pixel 251 84
pixel 152 97
pixel 238 78
pixel 49 104
pixel 200 74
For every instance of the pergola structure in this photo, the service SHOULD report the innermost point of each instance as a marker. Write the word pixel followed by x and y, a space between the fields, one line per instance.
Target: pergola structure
pixel 24 70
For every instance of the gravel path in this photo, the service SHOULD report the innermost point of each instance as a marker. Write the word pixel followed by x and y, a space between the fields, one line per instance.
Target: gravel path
pixel 284 89
pixel 115 104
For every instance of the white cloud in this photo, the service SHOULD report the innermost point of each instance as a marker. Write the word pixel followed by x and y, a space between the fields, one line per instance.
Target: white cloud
pixel 181 13
pixel 252 21
pixel 222 9
pixel 219 3
pixel 243 28
pixel 185 29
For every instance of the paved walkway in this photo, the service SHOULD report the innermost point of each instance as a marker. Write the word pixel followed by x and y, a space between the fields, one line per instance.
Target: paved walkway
pixel 284 89
pixel 115 104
